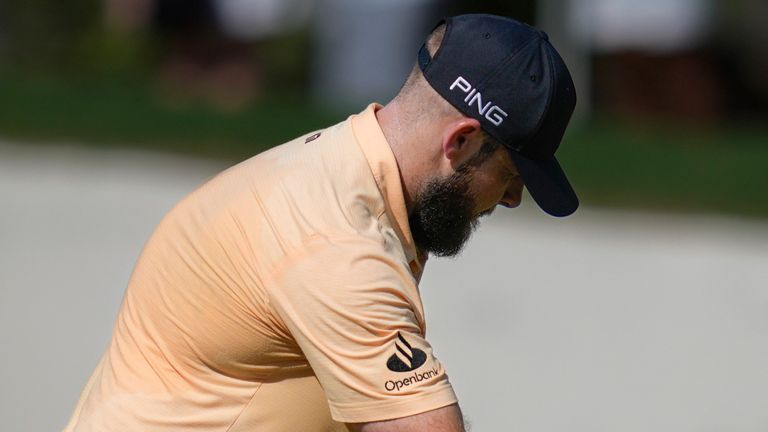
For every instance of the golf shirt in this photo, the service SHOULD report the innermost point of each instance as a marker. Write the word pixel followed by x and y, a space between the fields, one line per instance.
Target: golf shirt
pixel 282 295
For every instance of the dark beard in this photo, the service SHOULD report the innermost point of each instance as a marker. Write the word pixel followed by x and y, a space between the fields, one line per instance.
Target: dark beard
pixel 443 218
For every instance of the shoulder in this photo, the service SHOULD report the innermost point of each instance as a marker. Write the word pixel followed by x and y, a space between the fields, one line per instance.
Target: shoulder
pixel 358 258
pixel 348 271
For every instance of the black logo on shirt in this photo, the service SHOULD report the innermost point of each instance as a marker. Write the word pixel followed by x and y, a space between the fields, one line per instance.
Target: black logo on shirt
pixel 406 358
pixel 312 138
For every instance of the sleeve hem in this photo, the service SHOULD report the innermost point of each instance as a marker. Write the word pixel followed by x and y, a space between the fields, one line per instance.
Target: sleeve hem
pixel 392 409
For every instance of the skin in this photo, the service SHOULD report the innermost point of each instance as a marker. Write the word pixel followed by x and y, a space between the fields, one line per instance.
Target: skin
pixel 431 140
pixel 439 148
pixel 446 419
pixel 428 146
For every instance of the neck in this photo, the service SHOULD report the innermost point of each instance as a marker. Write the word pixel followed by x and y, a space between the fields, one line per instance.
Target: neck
pixel 393 120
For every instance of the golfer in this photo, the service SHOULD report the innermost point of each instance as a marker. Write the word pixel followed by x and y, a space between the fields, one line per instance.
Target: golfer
pixel 283 294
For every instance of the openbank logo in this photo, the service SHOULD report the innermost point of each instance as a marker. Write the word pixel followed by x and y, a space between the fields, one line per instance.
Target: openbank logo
pixel 416 377
pixel 406 358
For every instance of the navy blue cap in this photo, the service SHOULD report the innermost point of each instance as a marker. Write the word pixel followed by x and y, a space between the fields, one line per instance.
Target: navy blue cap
pixel 509 77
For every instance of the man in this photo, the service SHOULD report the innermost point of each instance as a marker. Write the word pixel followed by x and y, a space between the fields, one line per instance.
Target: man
pixel 282 295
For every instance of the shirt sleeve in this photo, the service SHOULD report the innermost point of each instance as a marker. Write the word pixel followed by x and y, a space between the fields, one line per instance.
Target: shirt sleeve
pixel 356 314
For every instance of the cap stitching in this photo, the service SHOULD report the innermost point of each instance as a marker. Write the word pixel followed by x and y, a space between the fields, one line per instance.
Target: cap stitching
pixel 504 62
pixel 496 132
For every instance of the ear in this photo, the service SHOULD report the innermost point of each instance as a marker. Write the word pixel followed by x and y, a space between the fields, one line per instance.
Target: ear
pixel 461 140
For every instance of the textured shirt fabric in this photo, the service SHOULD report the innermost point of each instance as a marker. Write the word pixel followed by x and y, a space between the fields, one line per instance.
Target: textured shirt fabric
pixel 279 296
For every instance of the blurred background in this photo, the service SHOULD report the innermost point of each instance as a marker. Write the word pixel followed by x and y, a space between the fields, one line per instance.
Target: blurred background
pixel 112 110
pixel 673 94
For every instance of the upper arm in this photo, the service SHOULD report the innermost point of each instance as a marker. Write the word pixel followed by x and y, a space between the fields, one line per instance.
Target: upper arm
pixel 446 419
pixel 356 316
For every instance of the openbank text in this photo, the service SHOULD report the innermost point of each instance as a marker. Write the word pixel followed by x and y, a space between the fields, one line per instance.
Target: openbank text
pixel 391 385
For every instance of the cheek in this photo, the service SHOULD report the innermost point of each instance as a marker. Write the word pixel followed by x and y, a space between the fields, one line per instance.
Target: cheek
pixel 488 191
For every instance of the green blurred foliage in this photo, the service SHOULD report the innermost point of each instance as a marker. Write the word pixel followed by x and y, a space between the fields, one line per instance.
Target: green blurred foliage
pixel 71 39
pixel 42 34
pixel 66 77
pixel 119 111
pixel 610 162
pixel 669 167
pixel 286 60
pixel 48 37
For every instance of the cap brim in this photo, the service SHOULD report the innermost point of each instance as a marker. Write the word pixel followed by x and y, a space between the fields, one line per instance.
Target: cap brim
pixel 547 184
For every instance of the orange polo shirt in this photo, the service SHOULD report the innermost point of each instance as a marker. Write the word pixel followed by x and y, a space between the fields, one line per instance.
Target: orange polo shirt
pixel 279 296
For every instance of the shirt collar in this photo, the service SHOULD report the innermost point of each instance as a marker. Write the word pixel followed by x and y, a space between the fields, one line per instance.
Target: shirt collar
pixel 382 161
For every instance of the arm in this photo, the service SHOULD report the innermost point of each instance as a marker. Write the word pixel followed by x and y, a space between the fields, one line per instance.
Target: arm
pixel 446 419
pixel 355 313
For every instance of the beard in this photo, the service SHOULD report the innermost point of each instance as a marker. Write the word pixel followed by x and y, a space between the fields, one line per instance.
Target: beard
pixel 443 217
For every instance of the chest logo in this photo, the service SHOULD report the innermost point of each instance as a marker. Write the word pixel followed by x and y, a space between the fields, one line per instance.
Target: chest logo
pixel 312 138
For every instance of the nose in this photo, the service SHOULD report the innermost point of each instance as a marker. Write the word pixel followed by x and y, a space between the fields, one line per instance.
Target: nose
pixel 512 196
pixel 510 203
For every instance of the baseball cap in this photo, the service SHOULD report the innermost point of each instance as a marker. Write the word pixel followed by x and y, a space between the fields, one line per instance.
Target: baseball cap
pixel 509 77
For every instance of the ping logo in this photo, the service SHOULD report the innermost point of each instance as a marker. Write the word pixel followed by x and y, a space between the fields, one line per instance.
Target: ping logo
pixel 406 358
pixel 489 110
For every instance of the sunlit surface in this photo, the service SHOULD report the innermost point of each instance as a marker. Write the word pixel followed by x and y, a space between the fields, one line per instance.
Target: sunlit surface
pixel 603 321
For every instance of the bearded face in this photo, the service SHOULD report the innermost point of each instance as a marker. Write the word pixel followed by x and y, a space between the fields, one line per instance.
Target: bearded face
pixel 443 217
